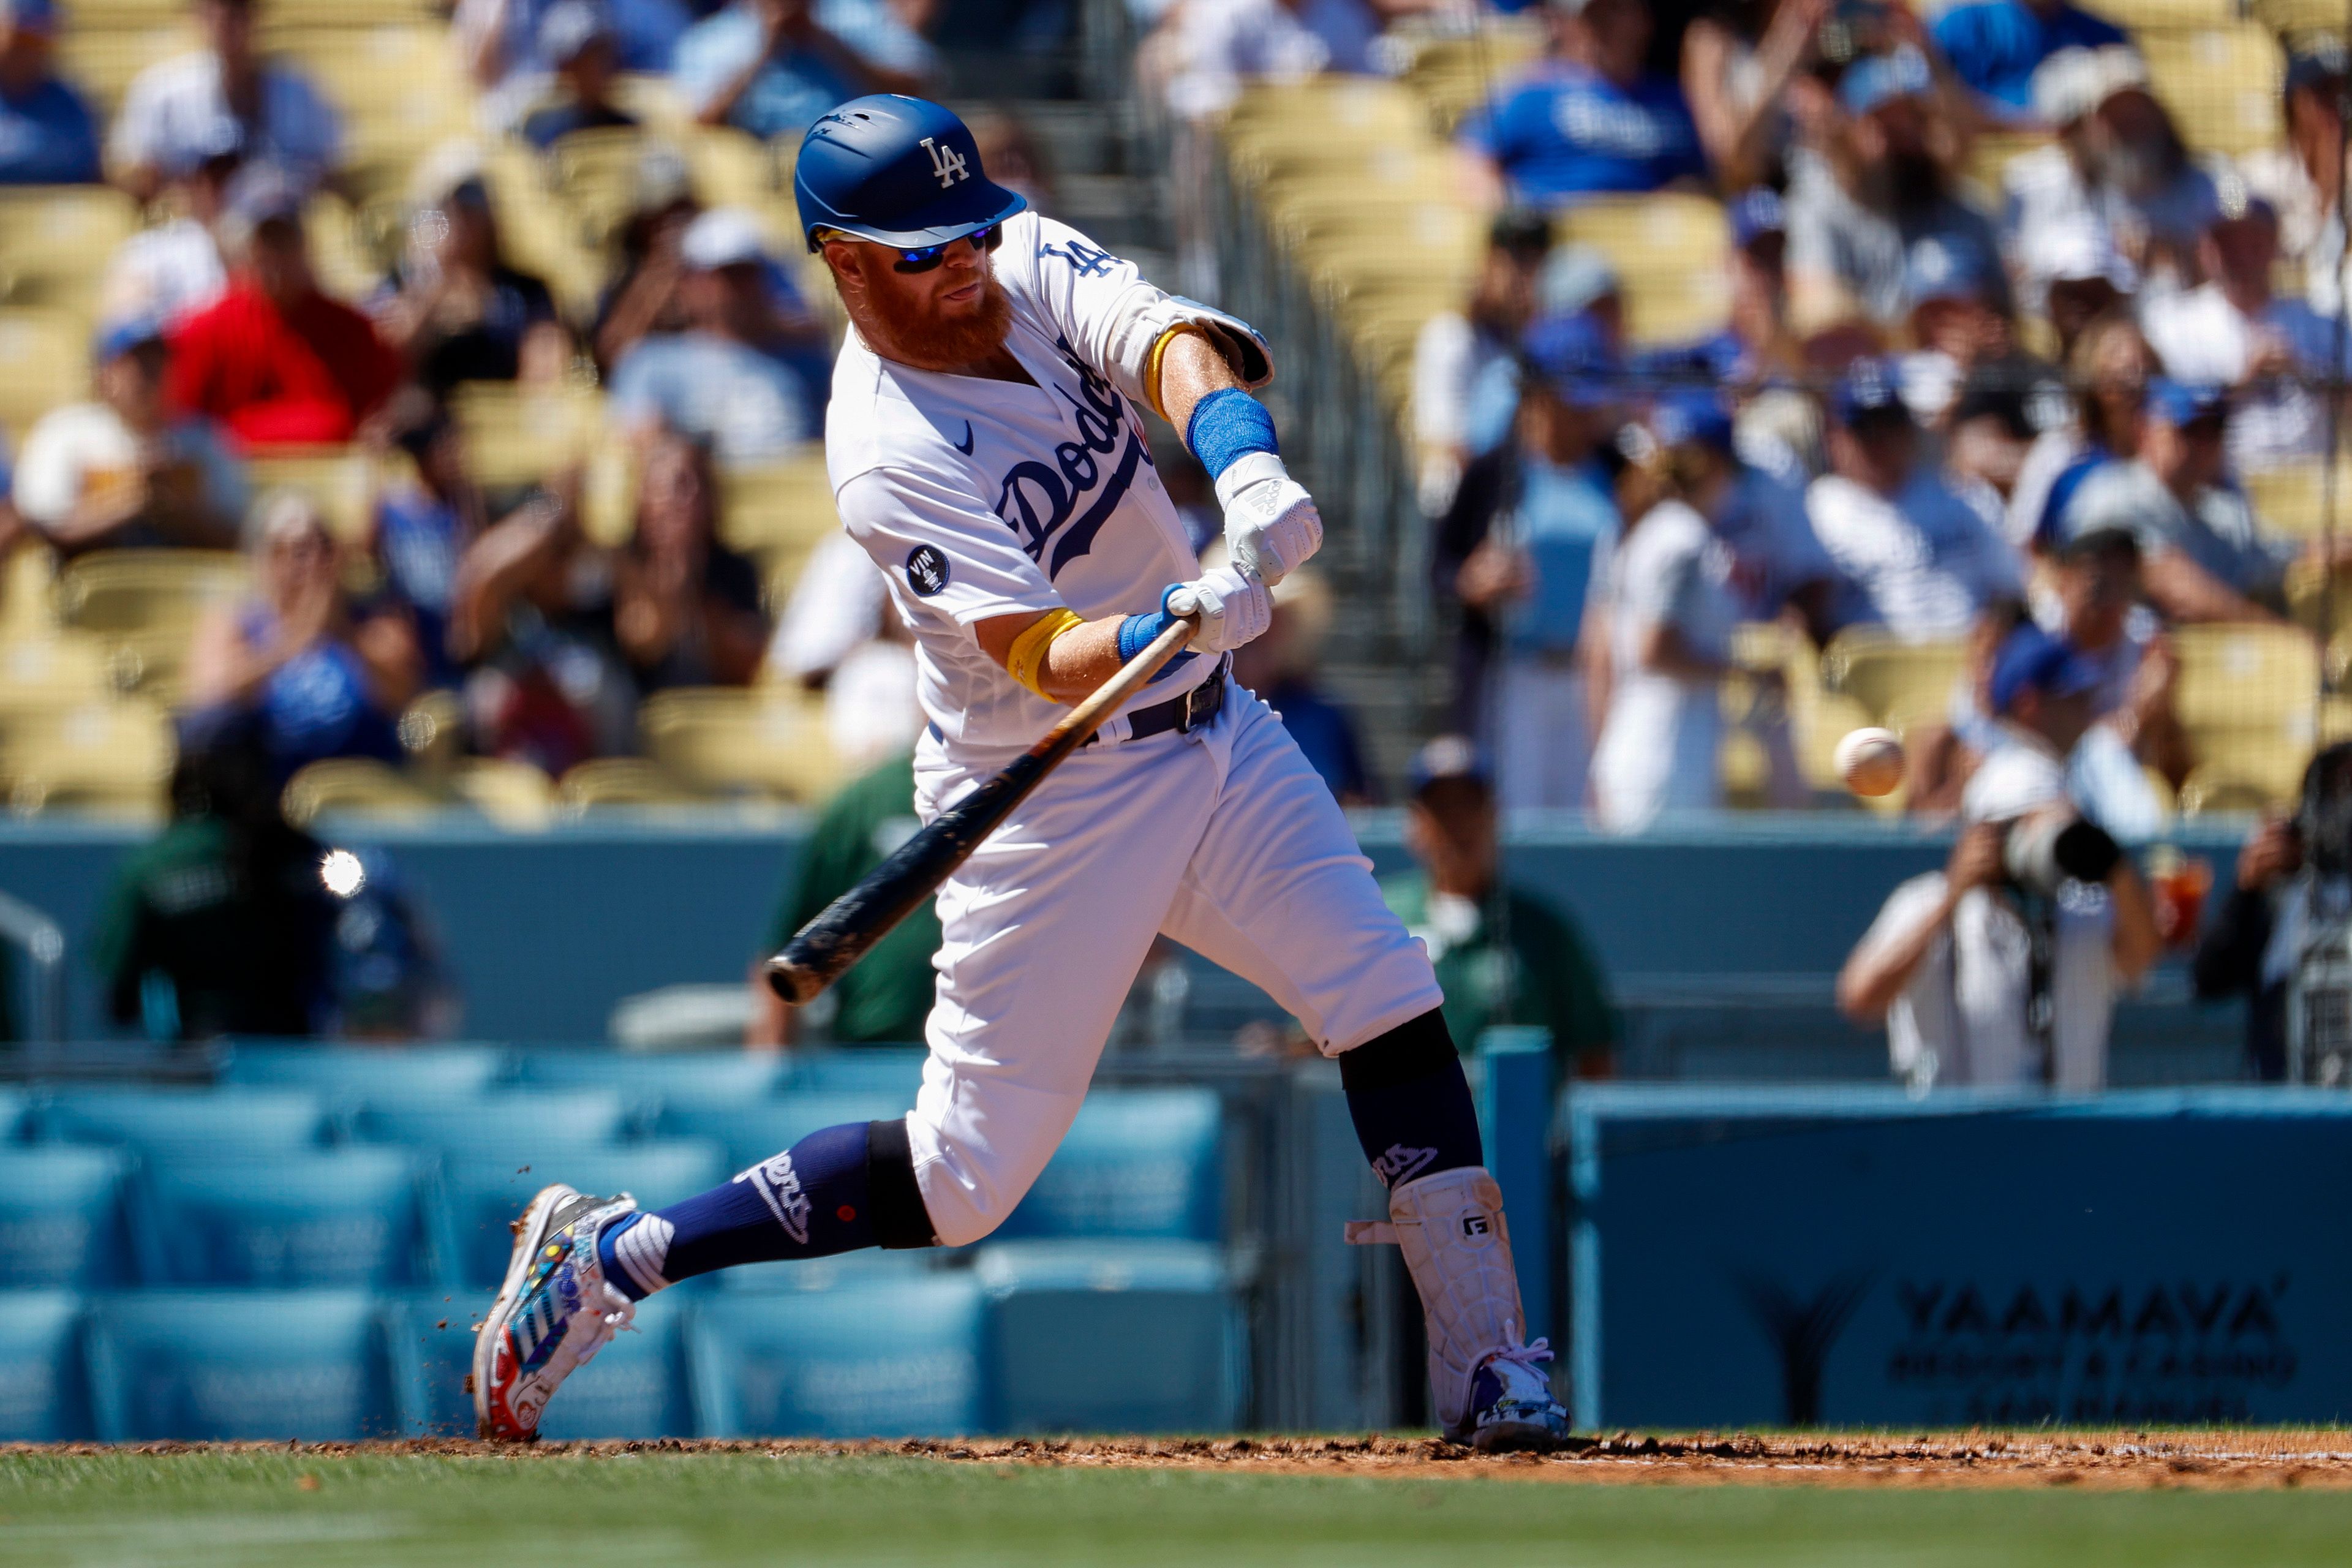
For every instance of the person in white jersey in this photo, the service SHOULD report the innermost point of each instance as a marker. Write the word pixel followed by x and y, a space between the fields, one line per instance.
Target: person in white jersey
pixel 987 448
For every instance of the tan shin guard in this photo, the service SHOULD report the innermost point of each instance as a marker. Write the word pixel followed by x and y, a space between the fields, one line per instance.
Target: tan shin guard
pixel 1458 1250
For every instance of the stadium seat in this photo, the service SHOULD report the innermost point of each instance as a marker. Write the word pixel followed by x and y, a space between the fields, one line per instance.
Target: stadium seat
pixel 268 1365
pixel 2220 84
pixel 730 742
pixel 515 795
pixel 779 509
pixel 1065 1319
pixel 335 1218
pixel 16 1111
pixel 485 1196
pixel 751 1133
pixel 2291 499
pixel 1895 682
pixel 893 1069
pixel 143 604
pixel 653 1079
pixel 635 1388
pixel 896 1359
pixel 843 1270
pixel 2246 678
pixel 60 669
pixel 224 1121
pixel 627 783
pixel 44 1378
pixel 1137 1162
pixel 102 755
pixel 52 238
pixel 43 361
pixel 65 1220
pixel 341 481
pixel 358 788
pixel 348 1074
pixel 518 1123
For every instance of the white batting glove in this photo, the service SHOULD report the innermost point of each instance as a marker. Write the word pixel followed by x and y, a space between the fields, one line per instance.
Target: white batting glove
pixel 1234 608
pixel 1271 524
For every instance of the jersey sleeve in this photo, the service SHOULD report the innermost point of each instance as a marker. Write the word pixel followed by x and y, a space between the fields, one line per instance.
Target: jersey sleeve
pixel 940 544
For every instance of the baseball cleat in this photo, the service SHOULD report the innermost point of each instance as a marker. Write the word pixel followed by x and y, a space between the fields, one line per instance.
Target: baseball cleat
pixel 1511 1404
pixel 554 1311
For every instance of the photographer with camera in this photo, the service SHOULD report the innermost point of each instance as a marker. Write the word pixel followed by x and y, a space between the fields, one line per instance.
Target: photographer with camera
pixel 2002 969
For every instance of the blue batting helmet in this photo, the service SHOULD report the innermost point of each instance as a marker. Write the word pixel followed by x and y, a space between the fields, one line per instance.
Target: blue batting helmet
pixel 899 171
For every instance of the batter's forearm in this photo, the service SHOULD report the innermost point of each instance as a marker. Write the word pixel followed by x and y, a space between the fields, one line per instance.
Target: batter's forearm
pixel 1190 367
pixel 1071 666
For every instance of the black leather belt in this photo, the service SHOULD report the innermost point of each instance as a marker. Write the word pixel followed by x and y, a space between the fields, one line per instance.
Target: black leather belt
pixel 1197 709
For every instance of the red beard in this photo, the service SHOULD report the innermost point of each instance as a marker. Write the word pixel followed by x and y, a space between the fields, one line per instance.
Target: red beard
pixel 933 342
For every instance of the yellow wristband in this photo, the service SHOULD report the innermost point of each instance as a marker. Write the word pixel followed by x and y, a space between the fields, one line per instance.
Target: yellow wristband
pixel 1151 365
pixel 1025 660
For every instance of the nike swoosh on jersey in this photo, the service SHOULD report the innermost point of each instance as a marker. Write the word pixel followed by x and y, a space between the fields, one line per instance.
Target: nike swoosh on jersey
pixel 965 445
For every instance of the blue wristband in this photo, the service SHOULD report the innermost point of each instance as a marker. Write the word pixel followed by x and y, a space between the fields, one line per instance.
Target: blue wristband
pixel 1136 632
pixel 1227 425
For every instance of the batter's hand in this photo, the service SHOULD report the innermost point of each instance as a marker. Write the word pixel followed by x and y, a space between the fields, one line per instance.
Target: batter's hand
pixel 1271 524
pixel 1234 608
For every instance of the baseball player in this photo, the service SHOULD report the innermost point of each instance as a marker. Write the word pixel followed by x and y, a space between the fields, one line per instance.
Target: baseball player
pixel 986 446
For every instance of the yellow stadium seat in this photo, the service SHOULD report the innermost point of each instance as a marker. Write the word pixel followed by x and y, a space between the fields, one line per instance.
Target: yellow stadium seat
pixel 2293 501
pixel 519 435
pixel 341 481
pixel 98 753
pixel 143 604
pixel 54 242
pixel 63 670
pixel 622 782
pixel 1896 683
pixel 356 787
pixel 2220 84
pixel 2248 679
pixel 1454 75
pixel 44 362
pixel 515 795
pixel 723 740
pixel 2251 778
pixel 777 511
pixel 29 607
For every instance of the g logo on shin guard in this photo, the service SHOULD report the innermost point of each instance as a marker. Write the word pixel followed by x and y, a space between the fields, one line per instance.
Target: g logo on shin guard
pixel 1477 1228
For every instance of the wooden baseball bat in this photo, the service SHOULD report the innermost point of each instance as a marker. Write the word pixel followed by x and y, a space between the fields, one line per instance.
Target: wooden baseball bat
pixel 845 929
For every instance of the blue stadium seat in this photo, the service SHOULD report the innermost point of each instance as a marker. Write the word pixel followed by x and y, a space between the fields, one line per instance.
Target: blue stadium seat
pixel 862 1069
pixel 486 1195
pixel 521 1126
pixel 44 1383
pixel 266 1365
pixel 1112 1336
pixel 637 1387
pixel 344 1075
pixel 1140 1162
pixel 652 1080
pixel 223 1121
pixel 752 1133
pixel 15 1109
pixel 900 1360
pixel 64 1219
pixel 336 1218
pixel 846 1270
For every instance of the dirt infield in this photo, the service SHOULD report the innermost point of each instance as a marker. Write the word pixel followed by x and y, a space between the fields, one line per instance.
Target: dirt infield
pixel 2110 1460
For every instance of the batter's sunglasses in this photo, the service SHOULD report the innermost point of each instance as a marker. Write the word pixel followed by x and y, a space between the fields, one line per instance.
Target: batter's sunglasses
pixel 924 258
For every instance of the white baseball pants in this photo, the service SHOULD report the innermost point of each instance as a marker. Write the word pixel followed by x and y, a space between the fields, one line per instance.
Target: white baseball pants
pixel 1224 839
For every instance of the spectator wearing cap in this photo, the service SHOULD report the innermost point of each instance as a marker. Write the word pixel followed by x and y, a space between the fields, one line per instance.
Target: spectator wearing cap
pixel 1518 553
pixel 1504 955
pixel 274 358
pixel 2117 163
pixel 1455 347
pixel 122 471
pixel 1660 641
pixel 175 269
pixel 1985 978
pixel 1883 186
pixel 2233 332
pixel 2109 368
pixel 727 378
pixel 454 307
pixel 2207 557
pixel 1592 118
pixel 1757 344
pixel 1280 666
pixel 769 68
pixel 1742 65
pixel 505 44
pixel 1918 557
pixel 47 134
pixel 1961 325
pixel 171 113
pixel 1997 46
pixel 1574 280
pixel 319 675
pixel 577 40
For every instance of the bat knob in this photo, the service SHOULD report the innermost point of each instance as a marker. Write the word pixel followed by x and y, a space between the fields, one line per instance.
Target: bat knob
pixel 796 983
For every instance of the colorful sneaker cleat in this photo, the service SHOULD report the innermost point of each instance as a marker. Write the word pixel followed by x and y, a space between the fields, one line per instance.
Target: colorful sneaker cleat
pixel 1511 1404
pixel 554 1311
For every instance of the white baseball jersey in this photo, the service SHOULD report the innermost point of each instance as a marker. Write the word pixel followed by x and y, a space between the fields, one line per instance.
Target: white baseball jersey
pixel 981 498
pixel 989 498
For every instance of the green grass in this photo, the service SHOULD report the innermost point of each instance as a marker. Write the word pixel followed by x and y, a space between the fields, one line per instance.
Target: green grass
pixel 652 1510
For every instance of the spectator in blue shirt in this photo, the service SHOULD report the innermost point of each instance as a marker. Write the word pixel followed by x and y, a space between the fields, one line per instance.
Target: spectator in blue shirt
pixel 766 67
pixel 1590 119
pixel 48 136
pixel 1995 45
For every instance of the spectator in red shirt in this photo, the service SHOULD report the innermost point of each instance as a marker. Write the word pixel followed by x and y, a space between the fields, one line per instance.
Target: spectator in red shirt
pixel 275 360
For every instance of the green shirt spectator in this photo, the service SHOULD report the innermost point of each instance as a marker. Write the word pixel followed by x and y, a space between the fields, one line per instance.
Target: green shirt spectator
pixel 1517 962
pixel 884 996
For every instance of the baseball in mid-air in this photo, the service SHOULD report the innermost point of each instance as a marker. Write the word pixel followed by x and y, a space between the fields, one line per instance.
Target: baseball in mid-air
pixel 1870 761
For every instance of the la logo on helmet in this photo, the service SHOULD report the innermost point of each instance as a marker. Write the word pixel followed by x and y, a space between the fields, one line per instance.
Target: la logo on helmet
pixel 946 163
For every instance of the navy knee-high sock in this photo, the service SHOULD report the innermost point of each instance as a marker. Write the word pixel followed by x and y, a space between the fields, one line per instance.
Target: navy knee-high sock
pixel 1411 1102
pixel 810 1201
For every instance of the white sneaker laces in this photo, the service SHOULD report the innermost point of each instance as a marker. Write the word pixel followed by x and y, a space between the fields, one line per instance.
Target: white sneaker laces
pixel 1527 1357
